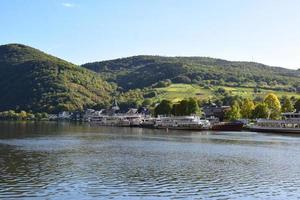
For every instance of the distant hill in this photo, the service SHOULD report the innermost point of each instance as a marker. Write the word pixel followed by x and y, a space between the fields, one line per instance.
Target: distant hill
pixel 33 80
pixel 144 71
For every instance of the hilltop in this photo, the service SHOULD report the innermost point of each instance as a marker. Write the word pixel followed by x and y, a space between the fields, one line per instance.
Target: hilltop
pixel 33 80
pixel 146 71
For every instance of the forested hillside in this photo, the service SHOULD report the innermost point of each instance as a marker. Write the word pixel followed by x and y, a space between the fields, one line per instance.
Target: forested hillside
pixel 145 71
pixel 33 80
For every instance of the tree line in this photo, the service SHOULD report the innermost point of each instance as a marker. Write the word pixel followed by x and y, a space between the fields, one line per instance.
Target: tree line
pixel 22 115
pixel 184 107
pixel 269 107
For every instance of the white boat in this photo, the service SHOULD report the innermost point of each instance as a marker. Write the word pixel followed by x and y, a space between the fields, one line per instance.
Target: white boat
pixel 105 120
pixel 289 124
pixel 148 122
pixel 123 122
pixel 117 120
pixel 134 120
pixel 182 123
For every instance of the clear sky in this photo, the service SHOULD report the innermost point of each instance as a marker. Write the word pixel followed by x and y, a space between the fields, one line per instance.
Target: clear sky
pixel 80 31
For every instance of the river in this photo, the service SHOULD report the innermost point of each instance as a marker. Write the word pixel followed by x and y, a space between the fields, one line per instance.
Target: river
pixel 49 160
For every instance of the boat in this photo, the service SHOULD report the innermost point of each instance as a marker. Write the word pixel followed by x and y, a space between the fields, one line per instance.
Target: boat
pixel 117 120
pixel 182 123
pixel 135 120
pixel 148 122
pixel 289 124
pixel 106 120
pixel 123 122
pixel 227 126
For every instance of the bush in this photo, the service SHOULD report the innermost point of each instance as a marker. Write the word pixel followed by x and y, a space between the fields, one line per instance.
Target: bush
pixel 150 94
pixel 181 79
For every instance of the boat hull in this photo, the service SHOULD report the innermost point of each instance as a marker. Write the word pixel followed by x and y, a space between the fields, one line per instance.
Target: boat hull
pixel 182 128
pixel 227 126
pixel 275 130
pixel 147 125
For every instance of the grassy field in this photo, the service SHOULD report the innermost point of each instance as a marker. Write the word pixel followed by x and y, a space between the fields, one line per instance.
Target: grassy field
pixel 177 92
pixel 248 92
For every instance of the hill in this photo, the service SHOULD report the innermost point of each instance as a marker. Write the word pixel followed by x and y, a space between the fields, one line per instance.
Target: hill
pixel 145 71
pixel 177 92
pixel 33 80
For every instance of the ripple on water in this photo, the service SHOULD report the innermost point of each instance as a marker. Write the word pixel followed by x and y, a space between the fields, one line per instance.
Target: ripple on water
pixel 180 166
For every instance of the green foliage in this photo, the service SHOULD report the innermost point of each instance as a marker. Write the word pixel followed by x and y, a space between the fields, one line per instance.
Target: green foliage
pixel 274 106
pixel 185 107
pixel 260 111
pixel 297 105
pixel 22 115
pixel 33 80
pixel 221 91
pixel 247 108
pixel 147 103
pixel 164 108
pixel 286 104
pixel 161 84
pixel 130 99
pixel 234 112
pixel 144 71
pixel 181 79
pixel 150 94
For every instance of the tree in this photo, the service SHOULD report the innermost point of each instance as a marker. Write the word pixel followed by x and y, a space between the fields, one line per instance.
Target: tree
pixel 220 90
pixel 185 107
pixel 146 102
pixel 287 105
pixel 22 115
pixel 12 115
pixel 230 99
pixel 181 79
pixel 260 111
pixel 234 112
pixel 193 107
pixel 297 105
pixel 247 109
pixel 274 106
pixel 256 90
pixel 176 110
pixel 164 108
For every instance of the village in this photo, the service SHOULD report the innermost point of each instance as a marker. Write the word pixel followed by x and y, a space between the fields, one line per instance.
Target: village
pixel 211 119
pixel 141 117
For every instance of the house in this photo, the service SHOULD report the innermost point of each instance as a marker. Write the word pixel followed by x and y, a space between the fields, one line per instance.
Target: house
pixel 90 113
pixel 64 115
pixel 132 111
pixel 212 110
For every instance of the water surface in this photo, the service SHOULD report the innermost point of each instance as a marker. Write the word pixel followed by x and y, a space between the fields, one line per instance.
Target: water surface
pixel 69 161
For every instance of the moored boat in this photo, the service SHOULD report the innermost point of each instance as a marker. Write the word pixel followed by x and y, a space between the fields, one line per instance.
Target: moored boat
pixel 148 122
pixel 227 126
pixel 289 124
pixel 117 120
pixel 182 123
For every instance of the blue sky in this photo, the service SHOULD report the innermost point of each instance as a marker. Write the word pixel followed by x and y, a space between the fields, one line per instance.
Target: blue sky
pixel 80 31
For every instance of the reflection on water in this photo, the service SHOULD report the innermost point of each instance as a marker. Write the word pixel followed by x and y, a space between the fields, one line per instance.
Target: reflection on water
pixel 61 160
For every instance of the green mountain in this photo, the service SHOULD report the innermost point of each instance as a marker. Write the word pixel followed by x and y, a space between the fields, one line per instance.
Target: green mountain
pixel 145 71
pixel 33 80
